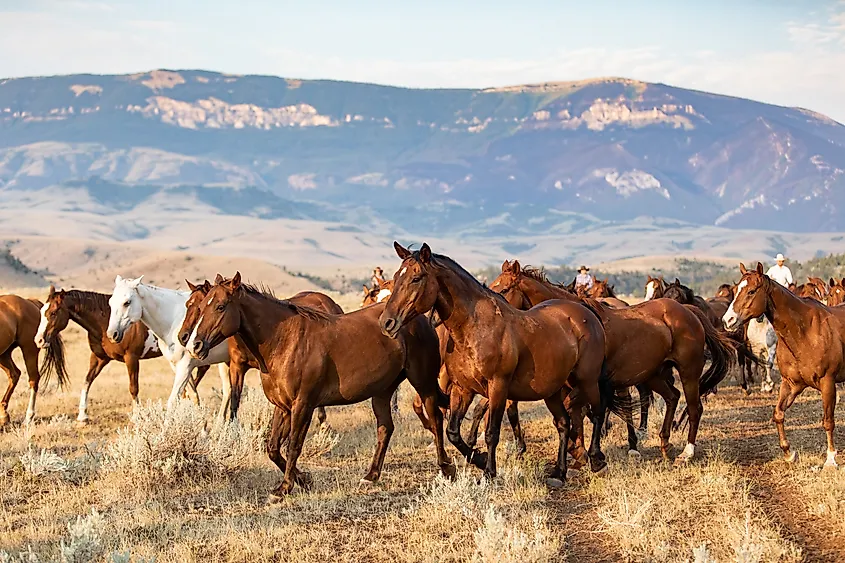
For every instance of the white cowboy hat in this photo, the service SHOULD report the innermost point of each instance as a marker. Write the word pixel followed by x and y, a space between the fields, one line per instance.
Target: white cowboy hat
pixel 779 257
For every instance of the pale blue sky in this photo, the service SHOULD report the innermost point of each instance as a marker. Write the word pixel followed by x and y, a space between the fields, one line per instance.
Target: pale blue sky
pixel 789 52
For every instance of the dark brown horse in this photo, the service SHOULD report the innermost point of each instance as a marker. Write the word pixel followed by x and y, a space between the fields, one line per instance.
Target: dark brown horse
pixel 309 358
pixel 240 358
pixel 810 348
pixel 654 288
pixel 644 343
pixel 90 310
pixel 501 352
pixel 19 319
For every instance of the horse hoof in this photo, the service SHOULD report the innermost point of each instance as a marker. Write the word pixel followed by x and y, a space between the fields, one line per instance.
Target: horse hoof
pixel 634 455
pixel 572 473
pixel 273 498
pixel 830 466
pixel 604 470
pixel 367 481
pixel 479 459
pixel 449 471
pixel 681 460
pixel 4 420
pixel 791 457
pixel 81 423
pixel 554 483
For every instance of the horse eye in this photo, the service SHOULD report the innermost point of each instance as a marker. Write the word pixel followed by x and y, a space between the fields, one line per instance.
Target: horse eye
pixel 127 304
pixel 416 279
pixel 221 307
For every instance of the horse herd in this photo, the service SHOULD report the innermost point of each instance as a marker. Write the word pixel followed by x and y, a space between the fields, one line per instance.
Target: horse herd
pixel 523 338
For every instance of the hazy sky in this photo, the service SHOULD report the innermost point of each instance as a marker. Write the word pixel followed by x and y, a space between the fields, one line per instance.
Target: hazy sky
pixel 789 52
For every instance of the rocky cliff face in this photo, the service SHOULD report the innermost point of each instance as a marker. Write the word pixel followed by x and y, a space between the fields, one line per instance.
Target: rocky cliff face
pixel 616 149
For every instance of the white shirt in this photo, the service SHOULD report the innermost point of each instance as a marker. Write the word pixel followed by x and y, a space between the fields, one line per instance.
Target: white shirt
pixel 780 274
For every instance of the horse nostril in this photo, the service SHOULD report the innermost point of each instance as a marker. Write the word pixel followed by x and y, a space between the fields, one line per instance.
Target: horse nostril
pixel 389 324
pixel 197 346
pixel 183 338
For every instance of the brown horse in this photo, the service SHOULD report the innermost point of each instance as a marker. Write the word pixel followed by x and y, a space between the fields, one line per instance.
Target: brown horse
pixel 644 343
pixel 90 310
pixel 240 358
pixel 810 348
pixel 836 293
pixel 654 288
pixel 19 319
pixel 603 292
pixel 815 288
pixel 309 358
pixel 501 352
pixel 377 294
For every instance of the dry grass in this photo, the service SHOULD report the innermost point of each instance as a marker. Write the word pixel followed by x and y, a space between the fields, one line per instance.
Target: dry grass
pixel 212 504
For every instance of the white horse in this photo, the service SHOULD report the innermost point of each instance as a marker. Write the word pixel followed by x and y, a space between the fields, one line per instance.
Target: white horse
pixel 763 342
pixel 162 311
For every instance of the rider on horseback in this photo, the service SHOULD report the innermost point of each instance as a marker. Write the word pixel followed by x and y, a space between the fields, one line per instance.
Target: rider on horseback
pixel 779 272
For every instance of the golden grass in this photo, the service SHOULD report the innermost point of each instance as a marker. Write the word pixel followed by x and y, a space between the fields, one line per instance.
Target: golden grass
pixel 644 511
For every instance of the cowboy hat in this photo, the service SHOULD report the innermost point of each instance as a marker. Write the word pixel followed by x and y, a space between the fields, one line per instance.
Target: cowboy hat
pixel 582 267
pixel 779 257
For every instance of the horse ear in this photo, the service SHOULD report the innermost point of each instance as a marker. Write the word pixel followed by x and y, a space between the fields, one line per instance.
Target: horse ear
pixel 136 282
pixel 401 251
pixel 206 286
pixel 832 282
pixel 219 279
pixel 661 277
pixel 759 268
pixel 506 266
pixel 52 291
pixel 236 281
pixel 117 279
pixel 515 267
pixel 605 280
pixel 677 281
pixel 191 286
pixel 742 269
pixel 649 278
pixel 425 253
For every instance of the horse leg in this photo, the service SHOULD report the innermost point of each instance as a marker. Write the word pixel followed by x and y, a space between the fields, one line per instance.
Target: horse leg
pixel 828 391
pixel 417 405
pixel 477 415
pixel 300 420
pixel 279 430
pixel 512 411
pixel 190 391
pixel 459 401
pixel 321 416
pixel 576 434
pixel 646 398
pixel 497 394
pixel 788 393
pixel 14 375
pixel 237 373
pixel 133 369
pixel 382 408
pixel 633 437
pixel 663 387
pixel 394 402
pixel 690 383
pixel 95 367
pixel 181 376
pixel 30 359
pixel 226 388
pixel 435 414
pixel 563 425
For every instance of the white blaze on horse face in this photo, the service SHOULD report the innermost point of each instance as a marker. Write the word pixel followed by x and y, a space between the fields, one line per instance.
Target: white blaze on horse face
pixel 649 290
pixel 730 316
pixel 42 327
pixel 405 269
pixel 383 294
pixel 189 346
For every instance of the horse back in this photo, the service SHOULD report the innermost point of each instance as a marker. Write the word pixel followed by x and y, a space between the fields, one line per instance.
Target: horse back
pixel 316 300
pixel 19 318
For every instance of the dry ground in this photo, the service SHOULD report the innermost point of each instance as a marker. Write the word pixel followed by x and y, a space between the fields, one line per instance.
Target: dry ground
pixel 735 502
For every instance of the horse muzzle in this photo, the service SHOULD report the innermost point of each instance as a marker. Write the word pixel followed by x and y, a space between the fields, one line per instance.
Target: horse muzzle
pixel 199 349
pixel 116 336
pixel 390 326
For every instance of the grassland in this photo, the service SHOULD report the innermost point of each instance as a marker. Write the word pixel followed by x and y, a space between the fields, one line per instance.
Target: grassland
pixel 736 502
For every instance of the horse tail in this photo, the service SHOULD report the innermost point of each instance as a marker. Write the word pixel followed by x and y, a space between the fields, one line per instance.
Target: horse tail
pixel 722 350
pixel 54 361
pixel 622 405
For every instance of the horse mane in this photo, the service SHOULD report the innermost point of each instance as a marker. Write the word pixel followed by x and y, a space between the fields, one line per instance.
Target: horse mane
pixel 448 263
pixel 539 274
pixel 87 300
pixel 263 292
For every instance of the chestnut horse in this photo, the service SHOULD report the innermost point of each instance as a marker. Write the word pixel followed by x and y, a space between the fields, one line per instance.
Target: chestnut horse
pixel 836 293
pixel 309 358
pixel 240 359
pixel 90 310
pixel 500 352
pixel 377 294
pixel 815 288
pixel 604 293
pixel 643 344
pixel 810 349
pixel 19 319
pixel 654 288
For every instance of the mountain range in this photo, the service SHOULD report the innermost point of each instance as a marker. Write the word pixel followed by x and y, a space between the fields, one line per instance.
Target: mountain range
pixel 530 160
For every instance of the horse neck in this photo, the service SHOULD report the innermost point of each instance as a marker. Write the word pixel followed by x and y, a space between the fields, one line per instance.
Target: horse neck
pixel 263 327
pixel 162 310
pixel 784 310
pixel 457 299
pixel 93 319
pixel 537 291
